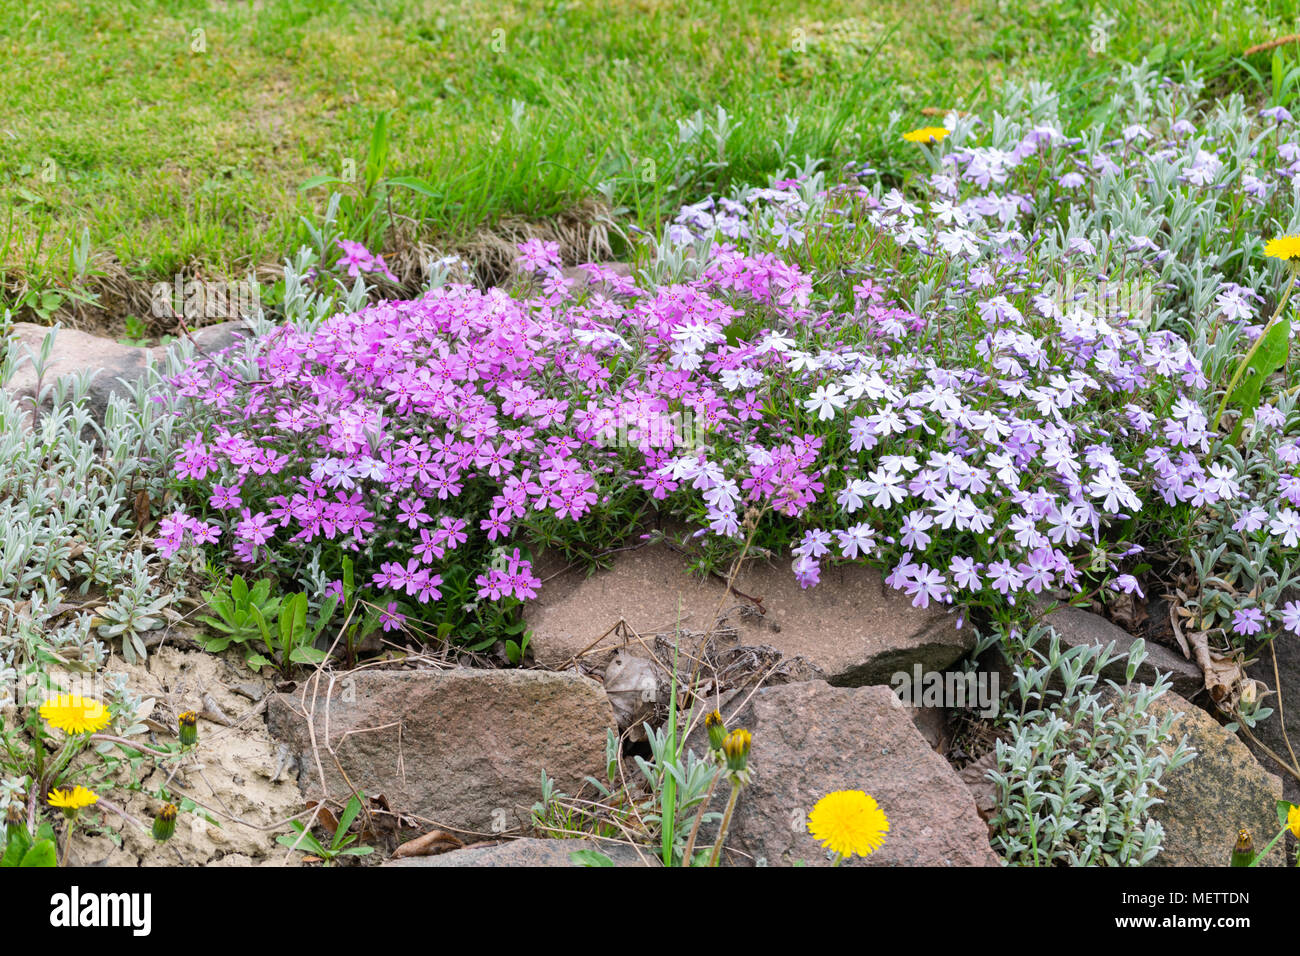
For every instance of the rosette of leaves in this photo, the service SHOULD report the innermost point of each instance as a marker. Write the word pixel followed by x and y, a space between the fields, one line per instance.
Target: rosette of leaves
pixel 241 615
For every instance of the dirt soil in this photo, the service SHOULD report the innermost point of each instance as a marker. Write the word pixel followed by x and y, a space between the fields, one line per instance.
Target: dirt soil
pixel 237 771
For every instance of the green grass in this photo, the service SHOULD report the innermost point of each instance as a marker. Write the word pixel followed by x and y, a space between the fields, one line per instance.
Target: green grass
pixel 154 156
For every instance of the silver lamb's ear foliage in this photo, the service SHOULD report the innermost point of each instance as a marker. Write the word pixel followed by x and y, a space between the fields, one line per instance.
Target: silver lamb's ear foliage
pixel 1082 812
pixel 65 523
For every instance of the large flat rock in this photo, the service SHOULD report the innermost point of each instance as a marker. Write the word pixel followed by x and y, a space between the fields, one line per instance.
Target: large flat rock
pixel 1222 789
pixel 810 739
pixel 1286 686
pixel 462 748
pixel 113 366
pixel 1077 626
pixel 851 626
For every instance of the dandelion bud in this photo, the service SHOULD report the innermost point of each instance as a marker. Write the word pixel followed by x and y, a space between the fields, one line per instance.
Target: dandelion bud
pixel 1244 852
pixel 13 819
pixel 189 728
pixel 164 823
pixel 717 730
pixel 736 748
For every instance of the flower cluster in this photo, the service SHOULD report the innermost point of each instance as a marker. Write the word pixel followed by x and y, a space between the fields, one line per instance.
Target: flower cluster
pixel 944 383
pixel 357 259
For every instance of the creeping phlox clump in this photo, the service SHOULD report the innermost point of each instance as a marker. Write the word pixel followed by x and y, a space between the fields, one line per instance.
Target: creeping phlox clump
pixel 839 371
pixel 985 459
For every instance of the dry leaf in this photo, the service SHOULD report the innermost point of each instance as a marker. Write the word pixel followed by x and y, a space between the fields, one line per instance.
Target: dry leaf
pixel 141 508
pixel 1174 613
pixel 380 824
pixel 212 711
pixel 429 844
pixel 1128 611
pixel 632 685
pixel 1224 676
pixel 324 818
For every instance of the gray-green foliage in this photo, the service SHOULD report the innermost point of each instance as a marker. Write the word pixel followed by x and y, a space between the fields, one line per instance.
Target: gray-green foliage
pixel 67 486
pixel 1210 204
pixel 558 814
pixel 1077 779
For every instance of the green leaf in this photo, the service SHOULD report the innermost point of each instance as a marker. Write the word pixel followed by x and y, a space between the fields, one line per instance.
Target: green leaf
pixel 239 590
pixel 326 612
pixel 255 614
pixel 345 821
pixel 293 620
pixel 1283 810
pixel 17 848
pixel 669 798
pixel 307 655
pixel 348 581
pixel 41 854
pixel 377 155
pixel 416 185
pixel 315 181
pixel 590 858
pixel 307 842
pixel 260 592
pixel 1270 355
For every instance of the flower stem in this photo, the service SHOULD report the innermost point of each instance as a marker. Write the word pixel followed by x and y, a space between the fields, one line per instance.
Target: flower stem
pixel 726 823
pixel 1264 852
pixel 1242 365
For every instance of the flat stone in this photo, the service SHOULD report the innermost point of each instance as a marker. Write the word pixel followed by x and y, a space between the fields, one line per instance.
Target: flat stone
pixel 851 626
pixel 114 365
pixel 1077 627
pixel 531 852
pixel 810 739
pixel 1269 730
pixel 1222 789
pixel 463 748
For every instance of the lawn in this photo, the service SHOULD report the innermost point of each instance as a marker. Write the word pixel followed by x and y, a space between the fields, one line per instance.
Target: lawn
pixel 946 347
pixel 147 139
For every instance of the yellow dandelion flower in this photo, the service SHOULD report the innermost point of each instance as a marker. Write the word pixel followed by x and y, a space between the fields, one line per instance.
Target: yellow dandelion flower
pixel 1284 247
pixel 1293 820
pixel 848 822
pixel 926 134
pixel 73 799
pixel 74 714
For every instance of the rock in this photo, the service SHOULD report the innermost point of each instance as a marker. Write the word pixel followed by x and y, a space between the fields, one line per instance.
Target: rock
pixel 934 724
pixel 531 852
pixel 852 627
pixel 810 739
pixel 1269 731
pixel 1077 626
pixel 1207 800
pixel 75 351
pixel 462 748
